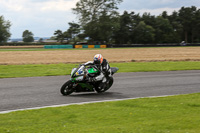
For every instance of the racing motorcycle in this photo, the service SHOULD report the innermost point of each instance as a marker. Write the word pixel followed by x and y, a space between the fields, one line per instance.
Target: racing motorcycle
pixel 79 81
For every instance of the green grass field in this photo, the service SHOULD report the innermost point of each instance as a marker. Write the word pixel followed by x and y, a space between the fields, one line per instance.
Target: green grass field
pixel 173 114
pixel 8 71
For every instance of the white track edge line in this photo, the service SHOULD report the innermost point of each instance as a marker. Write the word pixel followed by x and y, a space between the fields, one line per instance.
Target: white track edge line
pixel 62 105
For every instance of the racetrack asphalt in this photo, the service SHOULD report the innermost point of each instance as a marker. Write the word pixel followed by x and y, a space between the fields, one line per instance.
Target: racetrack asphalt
pixel 31 92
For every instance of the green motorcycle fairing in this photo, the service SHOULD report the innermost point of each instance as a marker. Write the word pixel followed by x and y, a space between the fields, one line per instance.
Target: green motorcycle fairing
pixel 92 70
pixel 78 75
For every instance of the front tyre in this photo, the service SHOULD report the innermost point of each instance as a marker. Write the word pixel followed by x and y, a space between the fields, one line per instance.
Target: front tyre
pixel 67 88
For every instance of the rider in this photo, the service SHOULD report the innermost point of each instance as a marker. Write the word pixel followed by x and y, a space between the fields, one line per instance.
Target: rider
pixel 102 65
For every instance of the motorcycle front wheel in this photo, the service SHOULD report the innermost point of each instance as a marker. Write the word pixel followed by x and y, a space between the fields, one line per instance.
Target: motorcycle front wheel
pixel 67 88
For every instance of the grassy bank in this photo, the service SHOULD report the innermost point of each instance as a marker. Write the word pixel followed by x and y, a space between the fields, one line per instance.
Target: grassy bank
pixel 175 114
pixel 8 71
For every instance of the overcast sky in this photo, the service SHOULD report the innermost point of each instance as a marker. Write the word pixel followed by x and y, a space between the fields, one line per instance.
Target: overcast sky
pixel 43 17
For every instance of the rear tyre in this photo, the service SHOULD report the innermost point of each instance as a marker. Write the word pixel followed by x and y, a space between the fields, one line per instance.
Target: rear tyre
pixel 67 88
pixel 102 87
pixel 110 83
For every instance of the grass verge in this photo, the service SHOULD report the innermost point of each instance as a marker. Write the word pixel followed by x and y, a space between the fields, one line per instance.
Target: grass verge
pixel 174 114
pixel 8 71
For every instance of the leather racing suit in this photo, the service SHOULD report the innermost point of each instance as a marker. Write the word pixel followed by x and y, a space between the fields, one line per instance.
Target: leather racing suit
pixel 104 68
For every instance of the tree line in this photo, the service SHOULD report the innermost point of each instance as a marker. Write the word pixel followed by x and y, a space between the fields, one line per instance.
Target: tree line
pixel 107 25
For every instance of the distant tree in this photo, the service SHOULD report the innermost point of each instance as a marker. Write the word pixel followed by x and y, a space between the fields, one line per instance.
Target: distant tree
pixel 196 29
pixel 163 30
pixel 67 35
pixel 73 31
pixel 4 29
pixel 177 27
pixel 164 15
pixel 91 10
pixel 136 19
pixel 148 19
pixel 101 30
pixel 187 19
pixel 59 35
pixel 144 33
pixel 97 15
pixel 27 36
pixel 122 35
pixel 70 34
pixel 81 36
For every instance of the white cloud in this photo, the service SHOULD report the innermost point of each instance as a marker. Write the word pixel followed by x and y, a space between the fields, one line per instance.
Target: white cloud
pixel 11 5
pixel 167 1
pixel 40 17
pixel 156 4
pixel 60 5
pixel 156 7
pixel 48 5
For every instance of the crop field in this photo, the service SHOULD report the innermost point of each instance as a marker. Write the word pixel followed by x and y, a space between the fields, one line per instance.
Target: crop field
pixel 112 55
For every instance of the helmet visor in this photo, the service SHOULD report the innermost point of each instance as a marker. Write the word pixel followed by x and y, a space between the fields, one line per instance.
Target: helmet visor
pixel 96 62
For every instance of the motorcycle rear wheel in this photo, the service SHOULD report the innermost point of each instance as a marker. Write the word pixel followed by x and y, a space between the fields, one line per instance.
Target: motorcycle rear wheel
pixel 67 88
pixel 110 83
pixel 107 86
